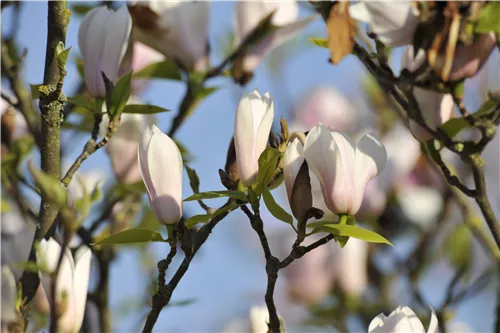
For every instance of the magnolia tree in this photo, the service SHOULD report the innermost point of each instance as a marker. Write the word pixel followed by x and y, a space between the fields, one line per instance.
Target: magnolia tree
pixel 376 200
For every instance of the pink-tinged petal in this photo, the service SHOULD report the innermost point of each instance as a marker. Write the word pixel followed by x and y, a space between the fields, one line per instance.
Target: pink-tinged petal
pixel 370 159
pixel 254 57
pixel 165 172
pixel 292 161
pixel 118 31
pixel 83 258
pixel 352 267
pixel 244 142
pixel 393 22
pixel 471 58
pixel 436 108
pixel 325 161
pixel 262 135
pixel 344 183
pixel 411 62
pixel 83 30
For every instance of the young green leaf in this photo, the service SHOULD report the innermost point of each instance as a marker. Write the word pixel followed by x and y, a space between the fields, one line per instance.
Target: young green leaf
pixel 62 55
pixel 321 42
pixel 268 161
pixel 143 109
pixel 132 236
pixel 348 230
pixel 194 180
pixel 119 96
pixel 276 210
pixel 194 220
pixel 166 69
pixel 80 100
pixel 217 194
pixel 488 19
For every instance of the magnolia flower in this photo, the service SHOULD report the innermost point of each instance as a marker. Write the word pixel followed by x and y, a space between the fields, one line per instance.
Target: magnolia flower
pixel 259 319
pixel 253 122
pixel 403 319
pixel 393 22
pixel 160 162
pixel 122 148
pixel 177 29
pixel 9 296
pixel 250 13
pixel 326 105
pixel 343 167
pixel 71 284
pixel 436 108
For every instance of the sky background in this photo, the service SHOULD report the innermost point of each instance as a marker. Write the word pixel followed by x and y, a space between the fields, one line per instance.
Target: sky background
pixel 227 276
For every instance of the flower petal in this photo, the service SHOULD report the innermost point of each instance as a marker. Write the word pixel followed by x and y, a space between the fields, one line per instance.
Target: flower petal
pixel 369 161
pixel 83 258
pixel 292 161
pixel 244 141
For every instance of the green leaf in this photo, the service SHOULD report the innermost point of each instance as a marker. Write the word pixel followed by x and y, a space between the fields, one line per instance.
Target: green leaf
pixel 5 206
pixel 143 109
pixel 80 100
pixel 49 186
pixel 62 54
pixel 148 220
pixel 204 92
pixel 348 230
pixel 268 161
pixel 321 42
pixel 276 210
pixel 166 69
pixel 132 236
pixel 194 220
pixel 231 206
pixel 455 125
pixel 217 194
pixel 35 92
pixel 489 19
pixel 194 180
pixel 120 95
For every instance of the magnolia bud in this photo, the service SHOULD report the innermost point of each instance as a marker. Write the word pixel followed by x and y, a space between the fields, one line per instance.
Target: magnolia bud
pixel 122 147
pixel 393 22
pixel 253 122
pixel 343 167
pixel 103 39
pixel 177 29
pixel 403 319
pixel 161 166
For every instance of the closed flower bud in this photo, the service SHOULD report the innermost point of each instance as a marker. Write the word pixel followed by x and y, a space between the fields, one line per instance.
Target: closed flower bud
pixel 177 29
pixel 436 108
pixel 103 39
pixel 393 22
pixel 343 167
pixel 250 13
pixel 403 319
pixel 160 162
pixel 71 284
pixel 9 296
pixel 122 148
pixel 297 180
pixel 253 122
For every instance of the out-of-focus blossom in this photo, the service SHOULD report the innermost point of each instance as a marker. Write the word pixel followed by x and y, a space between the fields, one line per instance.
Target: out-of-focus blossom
pixel 309 279
pixel 393 22
pixel 343 167
pixel 403 319
pixel 17 237
pixel 253 122
pixel 259 319
pixel 139 58
pixel 103 39
pixel 250 13
pixel 469 59
pixel 9 296
pixel 13 121
pixel 436 108
pixel 84 182
pixel 177 29
pixel 328 106
pixel 161 166
pixel 72 281
pixel 122 148
pixel 420 204
pixel 351 267
pixel 41 302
